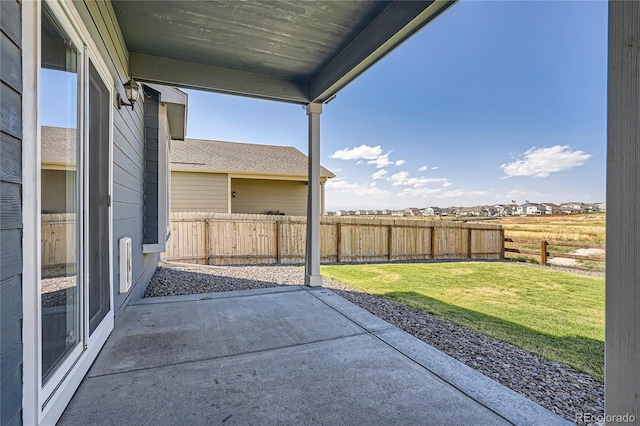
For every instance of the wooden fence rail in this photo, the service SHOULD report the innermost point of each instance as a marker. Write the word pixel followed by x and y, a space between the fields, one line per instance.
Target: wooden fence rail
pixel 223 239
pixel 545 254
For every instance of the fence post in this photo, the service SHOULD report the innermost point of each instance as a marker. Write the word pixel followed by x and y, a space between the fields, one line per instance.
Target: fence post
pixel 207 243
pixel 543 253
pixel 278 254
pixel 389 241
pixel 502 243
pixel 468 243
pixel 338 241
pixel 433 241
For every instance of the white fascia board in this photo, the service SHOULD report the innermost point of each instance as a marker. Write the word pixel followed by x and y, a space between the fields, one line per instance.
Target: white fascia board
pixel 176 102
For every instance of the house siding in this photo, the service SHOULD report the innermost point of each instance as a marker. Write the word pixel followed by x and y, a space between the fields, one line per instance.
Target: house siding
pixel 11 311
pixel 128 153
pixel 261 196
pixel 54 183
pixel 129 196
pixel 199 192
pixel 151 167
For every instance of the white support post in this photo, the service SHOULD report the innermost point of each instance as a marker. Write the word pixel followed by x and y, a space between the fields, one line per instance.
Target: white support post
pixel 622 320
pixel 312 276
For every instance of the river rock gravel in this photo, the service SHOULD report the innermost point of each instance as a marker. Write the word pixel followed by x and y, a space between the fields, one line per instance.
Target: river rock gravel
pixel 555 386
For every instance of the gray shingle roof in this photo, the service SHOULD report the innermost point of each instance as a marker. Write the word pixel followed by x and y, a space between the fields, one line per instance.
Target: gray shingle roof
pixel 234 157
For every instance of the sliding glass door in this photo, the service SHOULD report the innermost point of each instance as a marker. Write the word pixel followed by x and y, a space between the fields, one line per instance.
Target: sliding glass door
pixel 75 185
pixel 61 190
pixel 98 183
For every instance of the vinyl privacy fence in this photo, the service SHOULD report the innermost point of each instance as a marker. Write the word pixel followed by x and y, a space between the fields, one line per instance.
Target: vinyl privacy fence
pixel 224 239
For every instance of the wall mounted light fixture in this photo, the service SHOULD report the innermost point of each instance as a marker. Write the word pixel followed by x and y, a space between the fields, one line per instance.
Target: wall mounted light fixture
pixel 132 90
pixel 233 194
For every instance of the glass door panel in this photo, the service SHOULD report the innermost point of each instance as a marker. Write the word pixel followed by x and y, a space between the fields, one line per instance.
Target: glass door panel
pixel 98 230
pixel 60 197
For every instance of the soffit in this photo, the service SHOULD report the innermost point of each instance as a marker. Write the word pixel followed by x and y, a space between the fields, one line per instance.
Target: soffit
pixel 293 51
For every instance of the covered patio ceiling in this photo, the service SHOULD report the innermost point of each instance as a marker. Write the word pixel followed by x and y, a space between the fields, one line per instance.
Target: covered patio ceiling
pixel 298 51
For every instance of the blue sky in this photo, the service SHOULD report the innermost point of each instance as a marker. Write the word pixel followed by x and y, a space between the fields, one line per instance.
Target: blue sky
pixel 492 102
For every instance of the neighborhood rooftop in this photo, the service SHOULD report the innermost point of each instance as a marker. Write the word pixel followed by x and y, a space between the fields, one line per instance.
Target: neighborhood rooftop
pixel 234 157
pixel 58 145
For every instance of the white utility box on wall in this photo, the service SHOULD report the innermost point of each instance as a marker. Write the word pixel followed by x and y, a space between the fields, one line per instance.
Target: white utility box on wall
pixel 126 264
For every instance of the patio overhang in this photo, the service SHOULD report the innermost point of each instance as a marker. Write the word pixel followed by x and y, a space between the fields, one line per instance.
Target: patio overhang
pixel 290 51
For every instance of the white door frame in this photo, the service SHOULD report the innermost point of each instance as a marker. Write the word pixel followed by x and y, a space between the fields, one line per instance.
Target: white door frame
pixel 44 405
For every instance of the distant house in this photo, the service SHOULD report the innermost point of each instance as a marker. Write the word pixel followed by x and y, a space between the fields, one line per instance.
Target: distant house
pixel 550 208
pixel 488 211
pixel 572 208
pixel 230 177
pixel 591 207
pixel 510 209
pixel 451 211
pixel 469 211
pixel 501 210
pixel 530 209
pixel 432 211
pixel 412 211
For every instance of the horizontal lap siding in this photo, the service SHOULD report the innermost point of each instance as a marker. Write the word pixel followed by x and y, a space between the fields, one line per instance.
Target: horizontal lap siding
pixel 10 213
pixel 199 192
pixel 128 150
pixel 151 168
pixel 54 183
pixel 128 195
pixel 258 196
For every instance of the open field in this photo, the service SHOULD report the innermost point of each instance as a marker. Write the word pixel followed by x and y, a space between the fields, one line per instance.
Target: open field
pixel 558 315
pixel 584 228
pixel 587 229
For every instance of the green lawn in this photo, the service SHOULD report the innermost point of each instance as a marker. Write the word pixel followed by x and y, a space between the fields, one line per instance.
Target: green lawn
pixel 559 315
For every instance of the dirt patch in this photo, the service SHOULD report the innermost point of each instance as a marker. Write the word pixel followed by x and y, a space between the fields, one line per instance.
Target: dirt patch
pixel 558 261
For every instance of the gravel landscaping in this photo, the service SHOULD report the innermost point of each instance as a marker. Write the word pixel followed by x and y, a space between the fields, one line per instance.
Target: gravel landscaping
pixel 555 386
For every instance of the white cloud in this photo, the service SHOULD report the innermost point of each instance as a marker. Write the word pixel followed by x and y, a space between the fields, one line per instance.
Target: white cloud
pixel 341 186
pixel 365 152
pixel 381 161
pixel 338 184
pixel 461 193
pixel 435 168
pixel 373 155
pixel 379 174
pixel 423 169
pixel 541 162
pixel 419 192
pixel 403 179
pixel 437 193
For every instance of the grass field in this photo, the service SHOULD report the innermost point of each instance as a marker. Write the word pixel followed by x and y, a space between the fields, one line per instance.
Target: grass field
pixel 556 314
pixel 587 228
pixel 584 228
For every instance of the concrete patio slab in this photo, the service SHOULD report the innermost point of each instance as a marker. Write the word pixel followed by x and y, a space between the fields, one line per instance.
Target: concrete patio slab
pixel 298 356
pixel 156 334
